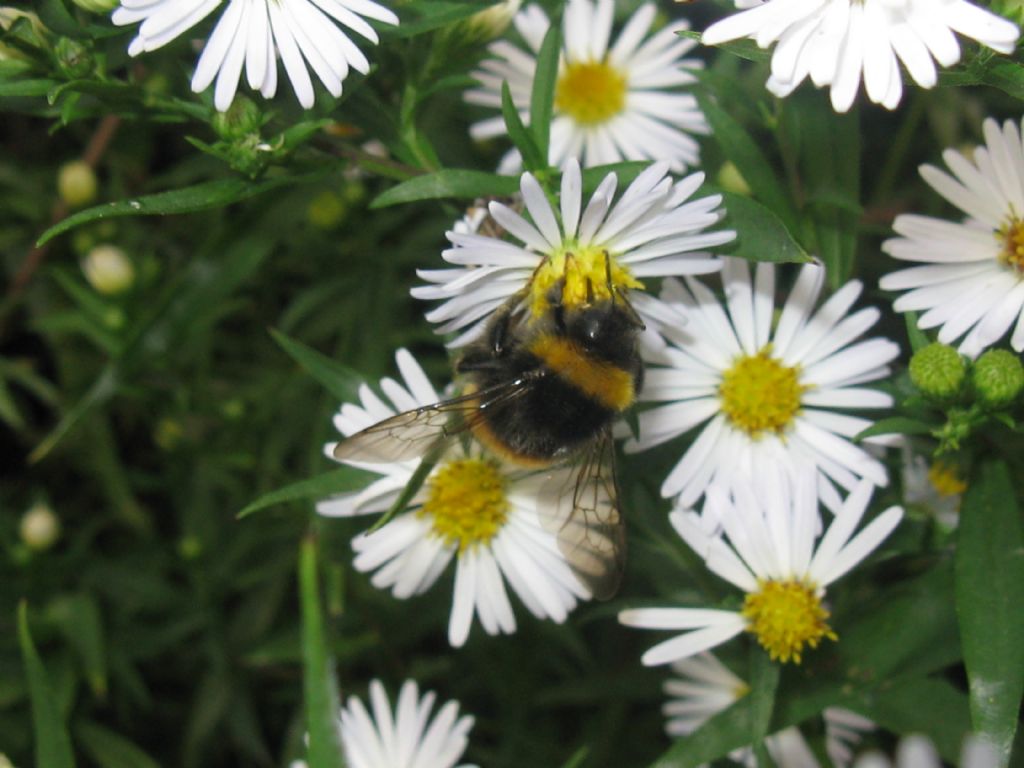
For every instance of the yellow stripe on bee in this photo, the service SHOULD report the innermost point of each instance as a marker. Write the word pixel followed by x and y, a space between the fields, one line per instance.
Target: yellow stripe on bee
pixel 609 385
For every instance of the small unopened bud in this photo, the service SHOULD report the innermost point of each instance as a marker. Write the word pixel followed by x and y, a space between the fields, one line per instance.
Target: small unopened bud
pixel 998 378
pixel 40 527
pixel 76 183
pixel 75 59
pixel 108 269
pixel 242 118
pixel 491 23
pixel 938 371
pixel 731 180
pixel 327 210
pixel 97 6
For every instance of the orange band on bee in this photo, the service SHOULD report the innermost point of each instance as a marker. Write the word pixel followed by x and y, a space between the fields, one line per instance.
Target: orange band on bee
pixel 609 385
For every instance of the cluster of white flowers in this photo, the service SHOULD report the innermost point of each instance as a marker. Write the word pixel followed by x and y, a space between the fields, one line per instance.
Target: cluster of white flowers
pixel 752 389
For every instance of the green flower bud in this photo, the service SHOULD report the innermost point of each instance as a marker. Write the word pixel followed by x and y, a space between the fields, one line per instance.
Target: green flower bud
pixel 75 60
pixel 242 118
pixel 40 527
pixel 938 371
pixel 108 269
pixel 97 6
pixel 998 378
pixel 76 184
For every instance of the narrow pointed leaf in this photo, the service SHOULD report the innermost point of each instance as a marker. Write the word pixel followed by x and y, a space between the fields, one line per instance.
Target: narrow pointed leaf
pixel 319 487
pixel 545 81
pixel 53 745
pixel 450 182
pixel 320 686
pixel 989 594
pixel 340 380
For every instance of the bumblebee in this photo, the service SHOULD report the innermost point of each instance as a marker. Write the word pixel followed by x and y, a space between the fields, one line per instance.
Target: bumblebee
pixel 541 392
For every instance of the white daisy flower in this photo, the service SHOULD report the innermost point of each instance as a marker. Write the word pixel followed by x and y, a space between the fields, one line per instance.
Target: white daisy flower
pixel 405 737
pixel 916 751
pixel 704 686
pixel 612 102
pixel 970 278
pixel 775 557
pixel 766 391
pixel 253 32
pixel 472 508
pixel 839 42
pixel 653 230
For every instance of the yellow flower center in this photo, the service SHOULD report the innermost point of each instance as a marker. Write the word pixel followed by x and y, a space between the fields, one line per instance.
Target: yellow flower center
pixel 1011 237
pixel 759 394
pixel 785 616
pixel 946 479
pixel 590 92
pixel 590 275
pixel 466 502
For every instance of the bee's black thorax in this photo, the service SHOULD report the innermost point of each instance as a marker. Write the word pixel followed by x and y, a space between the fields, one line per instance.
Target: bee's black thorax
pixel 579 369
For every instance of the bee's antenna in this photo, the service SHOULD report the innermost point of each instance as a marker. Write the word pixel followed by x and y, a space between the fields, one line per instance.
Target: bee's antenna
pixel 608 274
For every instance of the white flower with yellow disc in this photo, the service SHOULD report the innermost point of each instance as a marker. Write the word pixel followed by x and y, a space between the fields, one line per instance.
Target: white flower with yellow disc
pixel 768 391
pixel 769 549
pixel 653 230
pixel 472 507
pixel 612 102
pixel 968 276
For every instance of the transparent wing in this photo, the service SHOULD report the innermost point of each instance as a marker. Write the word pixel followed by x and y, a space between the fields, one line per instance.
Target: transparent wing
pixel 410 435
pixel 581 507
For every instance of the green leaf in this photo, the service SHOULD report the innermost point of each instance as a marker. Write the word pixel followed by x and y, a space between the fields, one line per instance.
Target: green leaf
pixel 829 165
pixel 449 182
pixel 533 160
pixel 750 161
pixel 745 49
pixel 323 702
pixel 109 749
pixel 545 80
pixel 32 87
pixel 896 425
pixel 77 617
pixel 764 681
pixel 728 730
pixel 430 15
pixel 340 380
pixel 53 745
pixel 209 194
pixel 319 487
pixel 760 234
pixel 102 389
pixel 989 595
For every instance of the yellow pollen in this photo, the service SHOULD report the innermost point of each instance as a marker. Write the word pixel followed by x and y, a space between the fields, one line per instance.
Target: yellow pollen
pixel 759 394
pixel 946 479
pixel 585 271
pixel 785 616
pixel 466 502
pixel 1011 237
pixel 590 92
